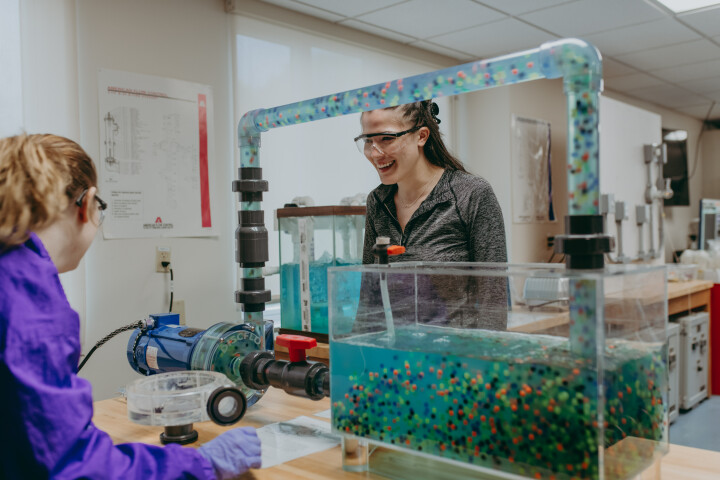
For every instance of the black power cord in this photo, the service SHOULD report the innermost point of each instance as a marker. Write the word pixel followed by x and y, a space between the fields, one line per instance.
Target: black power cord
pixel 132 326
pixel 166 265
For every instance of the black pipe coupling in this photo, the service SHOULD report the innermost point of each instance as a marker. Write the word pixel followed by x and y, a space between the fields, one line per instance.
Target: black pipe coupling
pixel 250 184
pixel 253 295
pixel 251 239
pixel 260 370
pixel 252 252
pixel 584 243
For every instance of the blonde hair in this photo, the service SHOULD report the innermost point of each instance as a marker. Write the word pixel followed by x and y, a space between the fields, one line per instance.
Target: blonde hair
pixel 39 176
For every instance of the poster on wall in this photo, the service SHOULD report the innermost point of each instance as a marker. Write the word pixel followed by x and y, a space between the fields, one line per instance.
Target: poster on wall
pixel 154 161
pixel 531 173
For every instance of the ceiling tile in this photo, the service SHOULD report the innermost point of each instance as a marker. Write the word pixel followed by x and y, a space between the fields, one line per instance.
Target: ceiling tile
pixel 669 96
pixel 631 82
pixel 306 9
pixel 673 55
pixel 693 71
pixel 612 68
pixel 707 21
pixel 381 32
pixel 432 47
pixel 658 33
pixel 495 38
pixel 701 111
pixel 590 16
pixel 351 9
pixel 705 85
pixel 516 7
pixel 435 20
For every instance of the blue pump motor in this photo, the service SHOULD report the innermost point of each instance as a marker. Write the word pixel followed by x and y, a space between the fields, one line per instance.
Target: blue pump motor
pixel 167 346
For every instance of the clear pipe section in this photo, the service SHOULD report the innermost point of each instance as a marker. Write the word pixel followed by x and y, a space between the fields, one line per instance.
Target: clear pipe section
pixel 255 318
pixel 574 60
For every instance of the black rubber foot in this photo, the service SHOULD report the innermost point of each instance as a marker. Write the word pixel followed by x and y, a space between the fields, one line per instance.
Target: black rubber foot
pixel 182 434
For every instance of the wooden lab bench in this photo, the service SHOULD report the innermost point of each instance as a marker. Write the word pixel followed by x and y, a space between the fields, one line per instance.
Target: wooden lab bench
pixel 683 298
pixel 681 463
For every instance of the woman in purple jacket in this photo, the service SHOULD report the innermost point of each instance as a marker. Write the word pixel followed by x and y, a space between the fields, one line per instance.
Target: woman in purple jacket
pixel 49 215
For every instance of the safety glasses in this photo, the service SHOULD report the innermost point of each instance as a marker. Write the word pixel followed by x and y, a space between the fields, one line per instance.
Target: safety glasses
pixel 102 206
pixel 384 142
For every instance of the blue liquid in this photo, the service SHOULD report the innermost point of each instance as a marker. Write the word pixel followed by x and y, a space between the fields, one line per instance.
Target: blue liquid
pixel 514 402
pixel 290 313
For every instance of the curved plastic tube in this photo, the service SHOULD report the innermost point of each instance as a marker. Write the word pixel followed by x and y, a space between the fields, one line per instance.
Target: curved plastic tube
pixel 576 61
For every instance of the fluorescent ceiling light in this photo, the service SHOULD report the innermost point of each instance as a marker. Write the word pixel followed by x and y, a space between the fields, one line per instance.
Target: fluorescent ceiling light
pixel 679 6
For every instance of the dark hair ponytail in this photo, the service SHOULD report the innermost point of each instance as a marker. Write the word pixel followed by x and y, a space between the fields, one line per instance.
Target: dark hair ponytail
pixel 424 114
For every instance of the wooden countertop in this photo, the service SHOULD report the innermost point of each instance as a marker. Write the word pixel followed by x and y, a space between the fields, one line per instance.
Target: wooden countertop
pixel 681 463
pixel 685 296
pixel 682 296
pixel 678 289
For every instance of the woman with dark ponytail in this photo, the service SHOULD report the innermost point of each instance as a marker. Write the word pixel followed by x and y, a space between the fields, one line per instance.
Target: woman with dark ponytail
pixel 428 202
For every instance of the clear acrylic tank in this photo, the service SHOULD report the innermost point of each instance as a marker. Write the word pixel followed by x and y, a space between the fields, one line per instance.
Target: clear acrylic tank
pixel 311 240
pixel 548 373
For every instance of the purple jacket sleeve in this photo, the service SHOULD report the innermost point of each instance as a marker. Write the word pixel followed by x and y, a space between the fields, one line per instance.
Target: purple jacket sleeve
pixel 45 408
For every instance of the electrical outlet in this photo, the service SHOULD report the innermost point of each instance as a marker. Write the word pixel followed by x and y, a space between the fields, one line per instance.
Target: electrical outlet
pixel 179 308
pixel 162 254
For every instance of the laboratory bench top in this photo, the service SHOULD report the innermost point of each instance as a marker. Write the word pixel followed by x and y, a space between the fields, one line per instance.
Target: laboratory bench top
pixel 680 463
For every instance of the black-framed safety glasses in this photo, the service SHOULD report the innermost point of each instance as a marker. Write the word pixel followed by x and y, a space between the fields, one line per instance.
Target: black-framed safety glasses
pixel 102 206
pixel 383 141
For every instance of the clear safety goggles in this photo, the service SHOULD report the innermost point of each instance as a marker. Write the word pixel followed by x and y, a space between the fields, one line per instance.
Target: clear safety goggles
pixel 102 206
pixel 384 142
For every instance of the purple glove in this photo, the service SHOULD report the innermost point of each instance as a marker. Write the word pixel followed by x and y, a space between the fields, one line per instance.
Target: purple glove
pixel 233 452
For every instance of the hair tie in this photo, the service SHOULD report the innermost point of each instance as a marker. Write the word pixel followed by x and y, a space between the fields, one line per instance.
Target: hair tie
pixel 434 110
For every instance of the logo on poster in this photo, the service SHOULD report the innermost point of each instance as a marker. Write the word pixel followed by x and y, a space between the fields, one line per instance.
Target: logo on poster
pixel 158 225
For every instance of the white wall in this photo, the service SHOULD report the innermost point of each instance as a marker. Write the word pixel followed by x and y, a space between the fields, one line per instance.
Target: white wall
pixel 484 143
pixel 543 99
pixel 186 40
pixel 678 218
pixel 281 64
pixel 710 145
pixel 50 100
pixel 11 115
pixel 624 130
pixel 47 33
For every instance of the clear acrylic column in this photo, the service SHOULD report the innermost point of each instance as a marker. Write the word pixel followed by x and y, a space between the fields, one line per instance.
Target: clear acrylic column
pixel 251 235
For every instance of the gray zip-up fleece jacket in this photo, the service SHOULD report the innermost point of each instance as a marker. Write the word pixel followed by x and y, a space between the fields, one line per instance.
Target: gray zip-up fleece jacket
pixel 459 221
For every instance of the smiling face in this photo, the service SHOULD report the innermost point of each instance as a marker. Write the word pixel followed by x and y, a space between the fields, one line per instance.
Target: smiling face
pixel 395 159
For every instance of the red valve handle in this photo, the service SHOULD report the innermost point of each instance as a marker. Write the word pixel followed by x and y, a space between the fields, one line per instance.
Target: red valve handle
pixel 296 345
pixel 395 250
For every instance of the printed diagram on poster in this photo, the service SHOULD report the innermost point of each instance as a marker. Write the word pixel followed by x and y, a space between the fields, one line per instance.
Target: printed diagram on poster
pixel 531 177
pixel 155 156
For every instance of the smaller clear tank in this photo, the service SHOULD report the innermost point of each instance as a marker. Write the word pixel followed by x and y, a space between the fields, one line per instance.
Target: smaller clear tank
pixel 312 239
